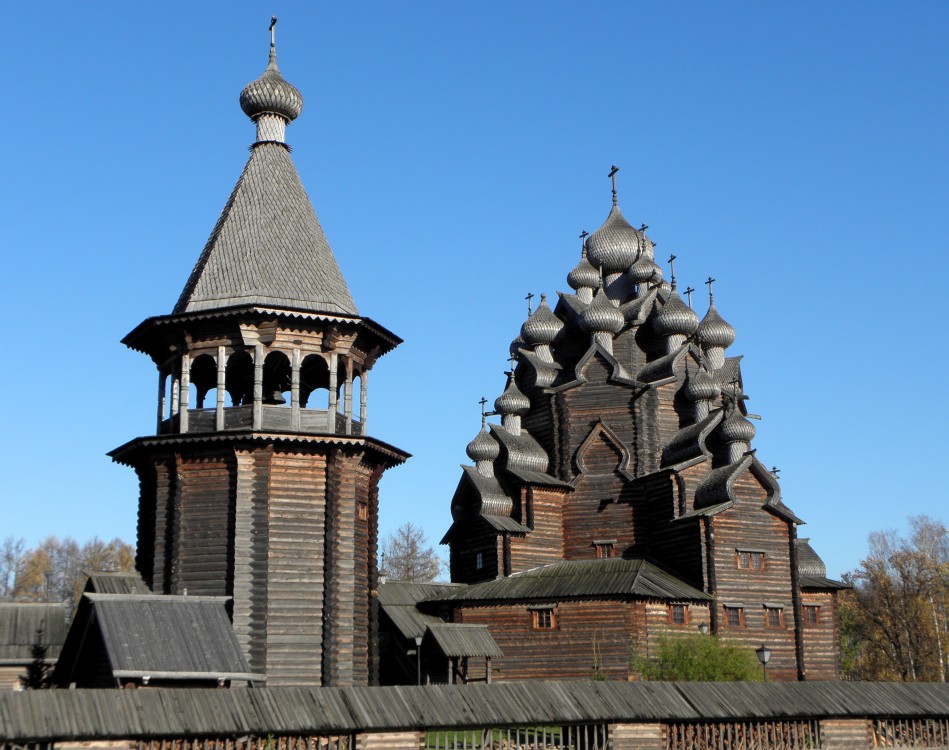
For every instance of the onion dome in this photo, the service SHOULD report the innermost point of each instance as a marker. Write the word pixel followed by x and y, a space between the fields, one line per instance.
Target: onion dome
pixel 644 270
pixel 271 94
pixel 542 326
pixel 484 447
pixel 675 318
pixel 615 246
pixel 701 387
pixel 713 331
pixel 584 275
pixel 602 315
pixel 512 401
pixel 516 345
pixel 735 428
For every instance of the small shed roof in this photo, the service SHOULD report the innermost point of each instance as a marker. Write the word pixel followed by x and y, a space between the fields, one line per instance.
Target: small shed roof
pixel 104 582
pixel 24 624
pixel 459 639
pixel 398 600
pixel 608 578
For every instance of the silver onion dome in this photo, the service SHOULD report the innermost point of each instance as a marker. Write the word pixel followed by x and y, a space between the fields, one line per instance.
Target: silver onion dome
pixel 602 315
pixel 512 401
pixel 615 246
pixel 713 331
pixel 584 275
pixel 516 345
pixel 675 318
pixel 542 326
pixel 644 270
pixel 271 94
pixel 484 447
pixel 735 428
pixel 701 387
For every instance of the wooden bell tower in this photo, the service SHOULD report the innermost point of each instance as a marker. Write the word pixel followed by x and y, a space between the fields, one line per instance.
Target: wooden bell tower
pixel 261 482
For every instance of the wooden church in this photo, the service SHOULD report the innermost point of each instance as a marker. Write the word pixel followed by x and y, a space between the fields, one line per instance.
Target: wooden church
pixel 620 499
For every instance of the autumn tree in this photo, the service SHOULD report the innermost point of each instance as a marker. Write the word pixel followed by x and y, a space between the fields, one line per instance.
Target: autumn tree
pixel 894 623
pixel 405 556
pixel 54 570
pixel 11 557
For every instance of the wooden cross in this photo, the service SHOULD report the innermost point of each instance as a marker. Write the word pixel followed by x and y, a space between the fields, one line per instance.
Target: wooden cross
pixel 672 270
pixel 529 297
pixel 688 293
pixel 513 360
pixel 643 227
pixel 709 282
pixel 612 175
pixel 734 384
pixel 273 34
pixel 484 414
pixel 775 471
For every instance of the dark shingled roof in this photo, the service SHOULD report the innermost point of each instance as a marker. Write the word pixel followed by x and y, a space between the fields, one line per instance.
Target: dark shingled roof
pixel 585 579
pixel 457 639
pixel 397 599
pixel 268 247
pixel 166 637
pixel 19 623
pixel 101 582
pixel 55 715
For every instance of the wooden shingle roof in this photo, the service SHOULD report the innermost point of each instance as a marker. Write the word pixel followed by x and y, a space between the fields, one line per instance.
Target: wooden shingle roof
pixel 23 624
pixel 268 248
pixel 583 579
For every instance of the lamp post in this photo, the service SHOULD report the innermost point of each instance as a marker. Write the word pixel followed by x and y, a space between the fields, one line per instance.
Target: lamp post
pixel 764 656
pixel 418 656
pixel 703 628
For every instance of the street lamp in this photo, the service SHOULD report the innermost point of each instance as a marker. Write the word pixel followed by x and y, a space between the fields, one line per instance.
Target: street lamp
pixel 703 628
pixel 418 656
pixel 764 656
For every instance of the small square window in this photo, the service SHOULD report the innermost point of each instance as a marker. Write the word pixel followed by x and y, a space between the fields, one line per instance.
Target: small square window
pixel 362 511
pixel 773 617
pixel 750 560
pixel 734 617
pixel 604 550
pixel 811 614
pixel 543 619
pixel 678 614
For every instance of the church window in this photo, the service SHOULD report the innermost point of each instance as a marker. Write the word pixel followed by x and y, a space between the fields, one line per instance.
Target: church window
pixel 479 560
pixel 750 559
pixel 734 616
pixel 678 614
pixel 773 617
pixel 604 547
pixel 811 614
pixel 363 511
pixel 543 618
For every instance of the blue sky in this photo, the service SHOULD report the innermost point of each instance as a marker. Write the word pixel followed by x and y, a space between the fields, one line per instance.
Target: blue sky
pixel 796 152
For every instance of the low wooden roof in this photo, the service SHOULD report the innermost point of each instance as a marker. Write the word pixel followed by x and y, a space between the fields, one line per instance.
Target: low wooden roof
pixel 55 715
pixel 459 639
pixel 586 579
pixel 23 624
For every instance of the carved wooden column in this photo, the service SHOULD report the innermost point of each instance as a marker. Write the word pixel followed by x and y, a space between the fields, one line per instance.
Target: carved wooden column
pixel 295 391
pixel 258 417
pixel 362 401
pixel 333 405
pixel 162 381
pixel 185 391
pixel 348 403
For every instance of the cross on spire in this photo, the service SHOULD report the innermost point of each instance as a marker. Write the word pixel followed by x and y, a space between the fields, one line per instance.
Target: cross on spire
pixel 484 414
pixel 612 175
pixel 529 297
pixel 672 271
pixel 775 471
pixel 513 360
pixel 709 282
pixel 273 32
pixel 688 293
pixel 583 243
pixel 734 384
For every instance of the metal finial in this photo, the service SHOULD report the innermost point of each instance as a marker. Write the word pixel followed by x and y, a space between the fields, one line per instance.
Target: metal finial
pixel 583 243
pixel 672 271
pixel 484 414
pixel 612 175
pixel 709 282
pixel 688 293
pixel 529 297
pixel 775 471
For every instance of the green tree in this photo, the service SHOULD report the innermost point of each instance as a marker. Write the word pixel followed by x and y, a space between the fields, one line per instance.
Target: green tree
pixel 698 658
pixel 38 670
pixel 405 556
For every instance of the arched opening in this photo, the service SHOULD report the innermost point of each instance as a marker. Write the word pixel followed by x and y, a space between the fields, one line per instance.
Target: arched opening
pixel 239 379
pixel 357 397
pixel 277 378
pixel 314 383
pixel 203 380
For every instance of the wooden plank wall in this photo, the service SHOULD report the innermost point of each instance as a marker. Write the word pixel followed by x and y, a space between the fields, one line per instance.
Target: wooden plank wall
pixel 822 641
pixel 544 545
